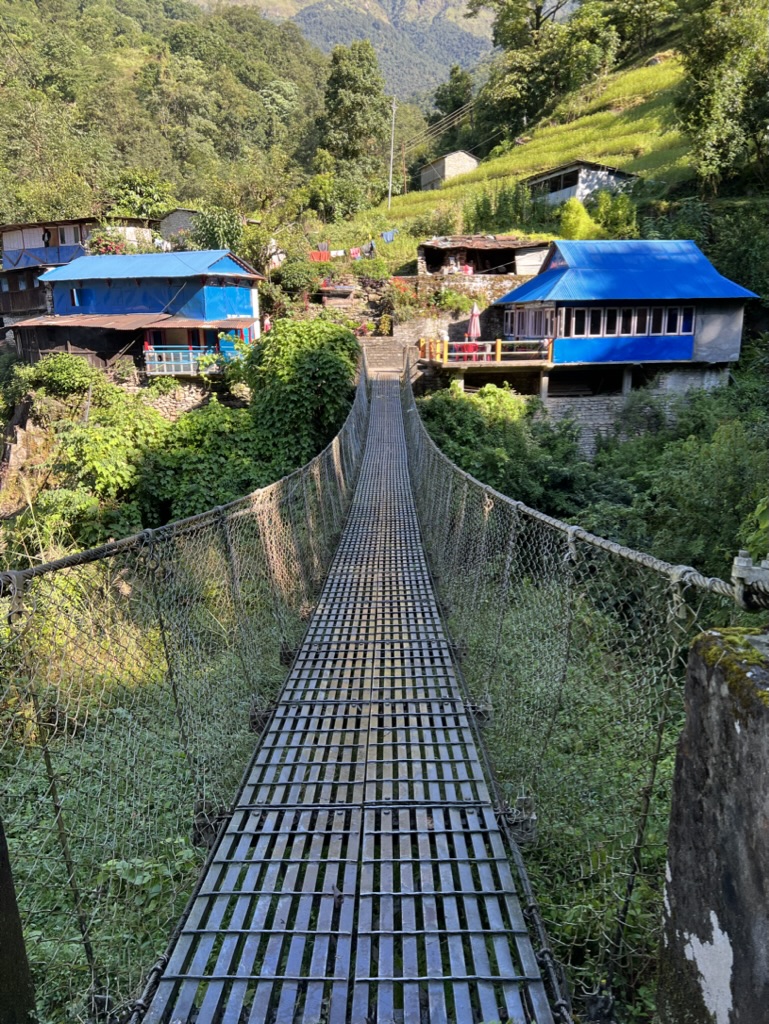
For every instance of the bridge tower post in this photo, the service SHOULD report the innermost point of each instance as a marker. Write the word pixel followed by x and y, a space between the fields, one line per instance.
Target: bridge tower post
pixel 17 993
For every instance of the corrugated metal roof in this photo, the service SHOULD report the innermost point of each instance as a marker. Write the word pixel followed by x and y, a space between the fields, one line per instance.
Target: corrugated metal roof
pixel 53 222
pixel 577 163
pixel 113 322
pixel 482 242
pixel 617 270
pixel 238 322
pixel 157 264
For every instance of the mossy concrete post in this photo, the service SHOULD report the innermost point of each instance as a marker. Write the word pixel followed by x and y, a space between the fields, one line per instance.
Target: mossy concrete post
pixel 714 964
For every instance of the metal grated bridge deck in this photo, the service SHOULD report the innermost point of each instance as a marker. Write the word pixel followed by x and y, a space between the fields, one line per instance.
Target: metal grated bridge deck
pixel 362 878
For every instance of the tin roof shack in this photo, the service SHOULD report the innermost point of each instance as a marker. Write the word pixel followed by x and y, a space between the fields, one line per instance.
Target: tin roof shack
pixel 444 167
pixel 483 254
pixel 29 249
pixel 579 179
pixel 171 305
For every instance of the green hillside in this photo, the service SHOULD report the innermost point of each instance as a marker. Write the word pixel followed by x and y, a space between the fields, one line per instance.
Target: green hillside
pixel 415 41
pixel 626 120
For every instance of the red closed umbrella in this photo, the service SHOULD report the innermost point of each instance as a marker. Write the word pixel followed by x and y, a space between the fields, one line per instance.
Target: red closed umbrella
pixel 474 327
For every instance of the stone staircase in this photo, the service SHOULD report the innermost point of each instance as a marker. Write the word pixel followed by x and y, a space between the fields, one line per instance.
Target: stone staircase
pixel 386 353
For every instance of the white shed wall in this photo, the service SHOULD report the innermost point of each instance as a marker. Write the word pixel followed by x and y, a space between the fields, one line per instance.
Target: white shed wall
pixel 718 332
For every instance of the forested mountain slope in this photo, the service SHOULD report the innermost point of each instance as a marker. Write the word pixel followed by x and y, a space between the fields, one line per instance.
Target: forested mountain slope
pixel 215 103
pixel 416 41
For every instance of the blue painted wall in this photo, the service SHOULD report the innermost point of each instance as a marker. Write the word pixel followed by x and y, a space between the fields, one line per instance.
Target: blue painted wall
pixel 154 295
pixel 18 259
pixel 626 349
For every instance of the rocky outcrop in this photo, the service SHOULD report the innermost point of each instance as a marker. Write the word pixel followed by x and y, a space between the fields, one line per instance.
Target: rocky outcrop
pixel 714 964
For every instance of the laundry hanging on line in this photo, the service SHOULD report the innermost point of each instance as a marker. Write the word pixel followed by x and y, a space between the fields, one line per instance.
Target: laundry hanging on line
pixel 389 236
pixel 355 254
pixel 336 253
pixel 318 256
pixel 324 247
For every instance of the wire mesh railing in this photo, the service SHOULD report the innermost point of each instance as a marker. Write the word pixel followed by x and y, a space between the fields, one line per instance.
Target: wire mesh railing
pixel 134 679
pixel 574 649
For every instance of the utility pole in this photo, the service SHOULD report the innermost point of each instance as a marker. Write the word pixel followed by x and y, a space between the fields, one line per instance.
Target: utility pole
pixel 392 151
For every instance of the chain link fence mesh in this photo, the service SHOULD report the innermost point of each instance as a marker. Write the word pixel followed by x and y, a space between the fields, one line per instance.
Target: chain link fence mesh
pixel 134 680
pixel 573 649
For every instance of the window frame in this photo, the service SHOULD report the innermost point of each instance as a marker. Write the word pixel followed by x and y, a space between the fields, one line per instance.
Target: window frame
pixel 606 331
pixel 595 311
pixel 577 310
pixel 621 332
pixel 693 317
pixel 660 333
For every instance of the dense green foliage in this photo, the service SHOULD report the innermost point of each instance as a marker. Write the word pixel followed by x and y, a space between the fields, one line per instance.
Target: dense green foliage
pixel 682 478
pixel 116 465
pixel 724 102
pixel 413 52
pixel 497 436
pixel 105 102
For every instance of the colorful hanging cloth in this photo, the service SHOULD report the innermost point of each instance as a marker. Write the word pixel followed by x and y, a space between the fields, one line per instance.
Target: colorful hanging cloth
pixel 317 256
pixel 323 247
pixel 355 254
pixel 389 236
pixel 336 253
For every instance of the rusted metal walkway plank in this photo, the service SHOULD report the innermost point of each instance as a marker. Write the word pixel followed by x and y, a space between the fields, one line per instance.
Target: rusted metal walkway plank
pixel 362 878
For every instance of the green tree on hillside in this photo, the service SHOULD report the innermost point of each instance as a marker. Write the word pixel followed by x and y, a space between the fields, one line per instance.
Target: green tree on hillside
pixel 724 104
pixel 517 23
pixel 141 194
pixel 355 121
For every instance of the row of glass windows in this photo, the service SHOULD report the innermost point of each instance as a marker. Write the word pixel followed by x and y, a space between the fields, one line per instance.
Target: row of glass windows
pixel 642 320
pixel 523 322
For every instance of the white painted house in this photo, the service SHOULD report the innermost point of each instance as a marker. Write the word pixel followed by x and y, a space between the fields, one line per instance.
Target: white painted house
pixel 449 166
pixel 579 179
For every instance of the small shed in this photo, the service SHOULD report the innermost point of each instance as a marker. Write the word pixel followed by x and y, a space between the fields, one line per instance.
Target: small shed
pixel 444 167
pixel 176 221
pixel 481 254
pixel 579 179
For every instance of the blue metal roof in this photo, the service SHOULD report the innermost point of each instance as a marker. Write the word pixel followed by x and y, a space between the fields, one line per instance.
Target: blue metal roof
pixel 619 270
pixel 161 264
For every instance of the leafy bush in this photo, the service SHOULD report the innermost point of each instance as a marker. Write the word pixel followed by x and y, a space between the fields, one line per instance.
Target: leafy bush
pixel 616 213
pixel 494 435
pixel 299 275
pixel 443 220
pixel 577 223
pixel 453 302
pixel 59 374
pixel 374 270
pixel 105 454
pixel 301 378
pixel 162 386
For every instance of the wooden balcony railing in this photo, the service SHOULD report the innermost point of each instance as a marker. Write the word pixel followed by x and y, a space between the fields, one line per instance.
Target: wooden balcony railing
pixel 499 352
pixel 172 361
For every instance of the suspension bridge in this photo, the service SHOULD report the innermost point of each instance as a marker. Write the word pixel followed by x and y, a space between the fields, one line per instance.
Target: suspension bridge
pixel 364 869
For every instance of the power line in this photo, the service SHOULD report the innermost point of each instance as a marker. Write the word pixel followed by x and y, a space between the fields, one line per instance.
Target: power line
pixel 432 131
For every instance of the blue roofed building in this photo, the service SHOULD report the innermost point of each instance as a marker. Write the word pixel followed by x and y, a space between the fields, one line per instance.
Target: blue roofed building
pixel 168 308
pixel 600 319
